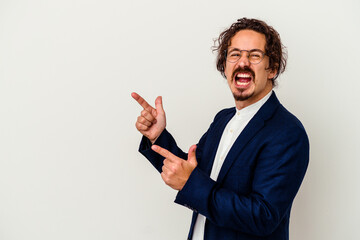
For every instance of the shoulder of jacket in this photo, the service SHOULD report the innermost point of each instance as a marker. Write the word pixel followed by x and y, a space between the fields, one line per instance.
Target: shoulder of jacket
pixel 225 112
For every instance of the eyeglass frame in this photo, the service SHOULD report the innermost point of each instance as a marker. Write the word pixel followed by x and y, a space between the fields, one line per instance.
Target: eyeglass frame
pixel 248 54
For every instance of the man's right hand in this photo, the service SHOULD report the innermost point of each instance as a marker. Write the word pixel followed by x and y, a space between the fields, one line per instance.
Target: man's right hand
pixel 152 121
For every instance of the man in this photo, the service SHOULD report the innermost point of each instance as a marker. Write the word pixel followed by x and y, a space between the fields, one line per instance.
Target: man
pixel 241 178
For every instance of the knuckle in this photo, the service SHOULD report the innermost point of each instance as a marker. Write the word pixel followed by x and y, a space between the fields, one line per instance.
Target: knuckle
pixel 147 123
pixel 140 119
pixel 143 121
pixel 175 169
pixel 165 178
pixel 141 127
pixel 162 176
pixel 178 164
pixel 168 181
pixel 171 169
pixel 148 115
pixel 144 113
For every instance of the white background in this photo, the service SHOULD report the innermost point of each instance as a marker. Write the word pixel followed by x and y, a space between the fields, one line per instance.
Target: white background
pixel 69 166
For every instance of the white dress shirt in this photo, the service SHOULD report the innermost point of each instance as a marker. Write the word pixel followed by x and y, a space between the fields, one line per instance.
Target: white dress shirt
pixel 232 130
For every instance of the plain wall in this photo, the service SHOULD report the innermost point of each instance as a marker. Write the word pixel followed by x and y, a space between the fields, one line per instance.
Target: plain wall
pixel 69 166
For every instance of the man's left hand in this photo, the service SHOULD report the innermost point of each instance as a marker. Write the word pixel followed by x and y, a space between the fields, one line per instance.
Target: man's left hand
pixel 176 171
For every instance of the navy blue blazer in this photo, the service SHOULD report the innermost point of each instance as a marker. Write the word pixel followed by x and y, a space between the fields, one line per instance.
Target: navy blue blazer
pixel 258 181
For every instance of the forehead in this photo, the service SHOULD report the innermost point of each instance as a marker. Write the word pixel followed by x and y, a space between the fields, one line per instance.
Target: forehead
pixel 248 39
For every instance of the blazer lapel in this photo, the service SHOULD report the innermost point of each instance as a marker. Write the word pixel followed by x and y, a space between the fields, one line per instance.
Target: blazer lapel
pixel 215 140
pixel 251 129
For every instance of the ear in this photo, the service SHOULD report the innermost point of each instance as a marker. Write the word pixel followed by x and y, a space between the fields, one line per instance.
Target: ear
pixel 272 74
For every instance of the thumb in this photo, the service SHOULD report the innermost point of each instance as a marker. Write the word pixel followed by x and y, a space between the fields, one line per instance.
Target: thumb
pixel 192 155
pixel 159 105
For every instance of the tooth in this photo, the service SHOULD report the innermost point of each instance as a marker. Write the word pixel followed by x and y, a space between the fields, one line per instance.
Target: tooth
pixel 241 83
pixel 243 75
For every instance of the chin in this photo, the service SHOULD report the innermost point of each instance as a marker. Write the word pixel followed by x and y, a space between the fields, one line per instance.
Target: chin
pixel 243 94
pixel 242 97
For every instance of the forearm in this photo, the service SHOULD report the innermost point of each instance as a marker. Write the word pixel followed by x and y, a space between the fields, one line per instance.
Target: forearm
pixel 166 141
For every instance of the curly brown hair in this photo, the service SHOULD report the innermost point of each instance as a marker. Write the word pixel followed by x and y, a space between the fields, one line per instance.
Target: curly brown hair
pixel 274 49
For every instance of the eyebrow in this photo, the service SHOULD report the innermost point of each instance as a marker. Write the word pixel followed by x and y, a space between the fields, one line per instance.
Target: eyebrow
pixel 251 50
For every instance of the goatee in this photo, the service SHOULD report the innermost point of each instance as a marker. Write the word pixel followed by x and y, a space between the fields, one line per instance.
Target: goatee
pixel 240 97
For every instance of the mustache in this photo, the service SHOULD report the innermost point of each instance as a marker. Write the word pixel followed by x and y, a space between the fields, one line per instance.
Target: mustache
pixel 243 70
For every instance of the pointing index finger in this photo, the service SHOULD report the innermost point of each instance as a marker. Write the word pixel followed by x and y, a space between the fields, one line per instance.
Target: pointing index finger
pixel 141 101
pixel 163 152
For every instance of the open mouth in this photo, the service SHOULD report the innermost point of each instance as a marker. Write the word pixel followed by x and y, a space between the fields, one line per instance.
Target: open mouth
pixel 243 79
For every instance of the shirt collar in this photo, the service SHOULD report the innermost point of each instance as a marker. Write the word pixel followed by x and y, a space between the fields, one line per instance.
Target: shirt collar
pixel 253 108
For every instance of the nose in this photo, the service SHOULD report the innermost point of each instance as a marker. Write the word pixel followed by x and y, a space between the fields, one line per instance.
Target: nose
pixel 243 61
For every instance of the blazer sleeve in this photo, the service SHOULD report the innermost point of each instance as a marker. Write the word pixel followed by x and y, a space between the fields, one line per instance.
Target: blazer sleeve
pixel 166 140
pixel 280 167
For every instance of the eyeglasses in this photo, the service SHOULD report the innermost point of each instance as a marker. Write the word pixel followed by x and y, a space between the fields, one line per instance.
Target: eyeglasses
pixel 255 56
